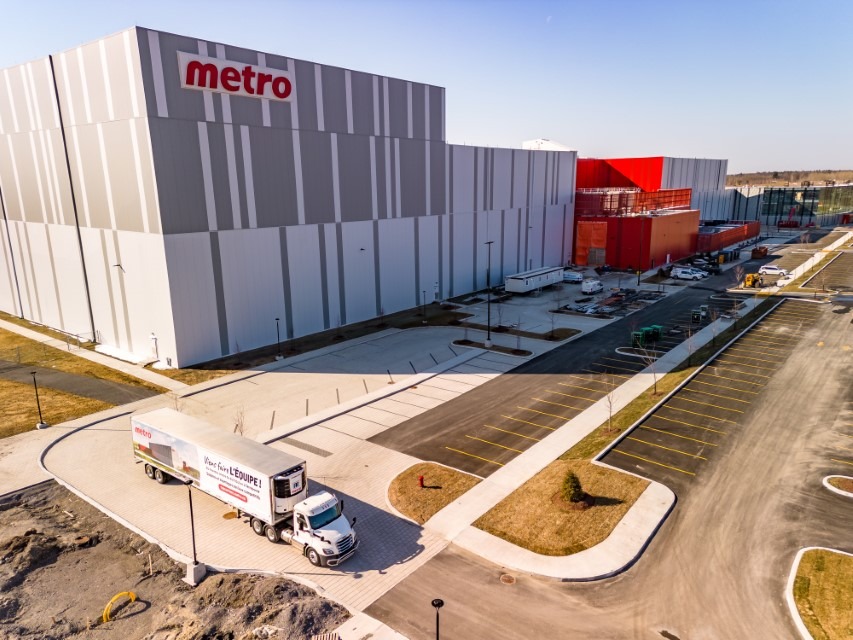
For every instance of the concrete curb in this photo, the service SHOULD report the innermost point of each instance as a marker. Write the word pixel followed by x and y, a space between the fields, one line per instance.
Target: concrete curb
pixel 840 492
pixel 789 589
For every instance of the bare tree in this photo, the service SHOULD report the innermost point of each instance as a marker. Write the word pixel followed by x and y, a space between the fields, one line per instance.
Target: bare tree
pixel 713 316
pixel 610 399
pixel 738 272
pixel 691 346
pixel 650 360
pixel 177 401
pixel 239 421
pixel 499 308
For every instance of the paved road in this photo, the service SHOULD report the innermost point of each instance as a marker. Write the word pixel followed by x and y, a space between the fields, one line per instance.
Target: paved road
pixel 718 567
pixel 487 427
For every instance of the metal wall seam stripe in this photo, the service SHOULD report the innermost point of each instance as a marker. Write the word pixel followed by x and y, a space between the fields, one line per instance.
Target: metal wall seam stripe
pixel 31 89
pixel 443 117
pixel 285 281
pixel 544 227
pixel 84 196
pixel 476 178
pixel 450 272
pixel 109 283
pixel 24 275
pixel 512 178
pixel 55 280
pixel 27 99
pixel 373 188
pixel 348 89
pixel 13 271
pixel 389 203
pixel 131 74
pixel 50 175
pixel 241 177
pixel 137 166
pixel 233 187
pixel 377 282
pixel 249 176
pixel 336 182
pixel 318 92
pixel 16 179
pixel 207 176
pixel 376 131
pixel 123 293
pixel 107 86
pixel 448 178
pixel 157 226
pixel 226 99
pixel 503 244
pixel 294 102
pixel 410 125
pixel 32 272
pixel 441 223
pixel 69 98
pixel 418 284
pixel 492 182
pixel 386 106
pixel 518 268
pixel 265 103
pixel 219 292
pixel 474 248
pixel 342 298
pixel 157 74
pixel 207 96
pixel 2 126
pixel 428 179
pixel 84 85
pixel 37 171
pixel 105 163
pixel 324 275
pixel 399 192
pixel 297 166
pixel 426 112
pixel 11 95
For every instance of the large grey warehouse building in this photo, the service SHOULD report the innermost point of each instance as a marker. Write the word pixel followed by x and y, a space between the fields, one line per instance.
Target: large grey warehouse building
pixel 172 197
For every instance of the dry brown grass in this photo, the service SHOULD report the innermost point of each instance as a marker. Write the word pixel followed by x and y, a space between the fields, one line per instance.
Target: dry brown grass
pixel 529 517
pixel 442 486
pixel 17 348
pixel 18 411
pixel 191 376
pixel 845 484
pixel 822 594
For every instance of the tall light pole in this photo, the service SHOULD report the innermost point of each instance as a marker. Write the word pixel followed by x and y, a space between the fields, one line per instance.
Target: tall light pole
pixel 438 604
pixel 41 423
pixel 277 340
pixel 489 297
pixel 195 572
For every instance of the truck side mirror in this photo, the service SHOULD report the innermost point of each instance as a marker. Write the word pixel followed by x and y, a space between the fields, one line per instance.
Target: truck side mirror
pixel 342 506
pixel 353 522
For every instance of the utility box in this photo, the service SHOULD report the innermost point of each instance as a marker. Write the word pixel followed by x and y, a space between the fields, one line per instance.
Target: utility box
pixel 638 340
pixel 696 316
pixel 657 331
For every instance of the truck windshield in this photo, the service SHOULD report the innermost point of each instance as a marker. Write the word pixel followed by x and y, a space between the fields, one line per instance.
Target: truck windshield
pixel 325 517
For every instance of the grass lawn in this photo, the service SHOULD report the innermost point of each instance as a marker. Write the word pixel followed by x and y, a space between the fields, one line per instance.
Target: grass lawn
pixel 530 517
pixel 441 487
pixel 823 589
pixel 18 411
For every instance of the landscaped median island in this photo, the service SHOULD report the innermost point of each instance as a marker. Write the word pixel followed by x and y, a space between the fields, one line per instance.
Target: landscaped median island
pixel 822 591
pixel 441 486
pixel 843 483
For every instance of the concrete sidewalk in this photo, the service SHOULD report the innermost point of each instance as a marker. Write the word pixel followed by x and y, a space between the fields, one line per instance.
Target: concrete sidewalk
pixel 125 367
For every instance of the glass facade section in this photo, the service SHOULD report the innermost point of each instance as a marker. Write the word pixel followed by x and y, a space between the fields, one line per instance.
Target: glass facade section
pixel 806 206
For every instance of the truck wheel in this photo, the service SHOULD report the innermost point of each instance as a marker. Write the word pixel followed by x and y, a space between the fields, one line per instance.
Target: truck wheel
pixel 272 533
pixel 257 526
pixel 313 557
pixel 149 471
pixel 161 477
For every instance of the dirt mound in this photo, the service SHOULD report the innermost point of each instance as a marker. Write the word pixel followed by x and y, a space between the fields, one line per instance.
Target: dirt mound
pixel 62 560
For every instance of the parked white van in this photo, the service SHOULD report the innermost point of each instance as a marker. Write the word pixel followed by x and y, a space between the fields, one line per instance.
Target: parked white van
pixel 687 273
pixel 591 285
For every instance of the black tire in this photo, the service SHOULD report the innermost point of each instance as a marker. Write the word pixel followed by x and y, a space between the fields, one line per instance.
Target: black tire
pixel 272 534
pixel 149 471
pixel 161 477
pixel 313 556
pixel 257 526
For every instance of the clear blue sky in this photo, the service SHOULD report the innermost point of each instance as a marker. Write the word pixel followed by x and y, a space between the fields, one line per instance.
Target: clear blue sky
pixel 766 84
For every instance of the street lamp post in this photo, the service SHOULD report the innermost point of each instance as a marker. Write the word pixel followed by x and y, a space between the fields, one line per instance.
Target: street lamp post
pixel 438 604
pixel 489 297
pixel 423 304
pixel 195 571
pixel 277 340
pixel 41 423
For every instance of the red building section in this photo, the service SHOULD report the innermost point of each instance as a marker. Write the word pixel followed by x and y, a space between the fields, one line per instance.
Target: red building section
pixel 641 173
pixel 643 241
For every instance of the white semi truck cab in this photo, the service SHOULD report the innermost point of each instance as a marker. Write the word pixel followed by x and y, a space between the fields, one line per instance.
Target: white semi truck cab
pixel 318 528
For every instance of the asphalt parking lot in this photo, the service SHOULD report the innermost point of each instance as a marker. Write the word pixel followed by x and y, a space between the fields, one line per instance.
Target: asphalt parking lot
pixel 482 431
pixel 675 444
pixel 837 275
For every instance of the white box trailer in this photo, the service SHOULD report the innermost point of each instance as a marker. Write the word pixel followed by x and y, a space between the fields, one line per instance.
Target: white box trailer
pixel 263 482
pixel 532 280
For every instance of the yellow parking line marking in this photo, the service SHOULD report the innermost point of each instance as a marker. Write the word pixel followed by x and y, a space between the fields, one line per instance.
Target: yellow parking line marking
pixel 741 364
pixel 675 435
pixel 553 415
pixel 696 413
pixel 716 395
pixel 746 373
pixel 744 345
pixel 707 404
pixel 574 375
pixel 558 404
pixel 762 341
pixel 574 386
pixel 520 435
pixel 541 426
pixel 660 464
pixel 495 444
pixel 733 351
pixel 660 446
pixel 735 355
pixel 842 461
pixel 605 373
pixel 569 395
pixel 471 455
pixel 721 386
pixel 714 375
pixel 687 424
pixel 623 362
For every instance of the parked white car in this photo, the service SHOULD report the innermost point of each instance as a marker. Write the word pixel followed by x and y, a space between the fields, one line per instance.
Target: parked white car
pixel 572 277
pixel 687 273
pixel 591 285
pixel 772 270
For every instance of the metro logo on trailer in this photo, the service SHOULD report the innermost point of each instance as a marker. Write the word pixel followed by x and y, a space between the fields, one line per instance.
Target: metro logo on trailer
pixel 233 78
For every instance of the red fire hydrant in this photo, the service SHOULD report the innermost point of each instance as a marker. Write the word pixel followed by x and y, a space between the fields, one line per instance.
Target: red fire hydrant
pixel 421 482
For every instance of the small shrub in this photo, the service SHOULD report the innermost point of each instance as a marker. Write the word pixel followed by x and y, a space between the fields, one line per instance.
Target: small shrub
pixel 572 490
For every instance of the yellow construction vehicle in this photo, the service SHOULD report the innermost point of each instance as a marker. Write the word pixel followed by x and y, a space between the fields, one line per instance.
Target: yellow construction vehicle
pixel 753 280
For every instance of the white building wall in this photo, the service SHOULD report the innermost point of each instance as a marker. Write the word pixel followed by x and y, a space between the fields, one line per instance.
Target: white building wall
pixel 359 272
pixel 398 286
pixel 303 261
pixel 707 179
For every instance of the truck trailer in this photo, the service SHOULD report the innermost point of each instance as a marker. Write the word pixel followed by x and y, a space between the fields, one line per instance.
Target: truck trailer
pixel 532 280
pixel 261 482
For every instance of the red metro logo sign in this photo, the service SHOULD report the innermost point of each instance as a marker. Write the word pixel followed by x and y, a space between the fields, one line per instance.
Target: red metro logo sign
pixel 233 78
